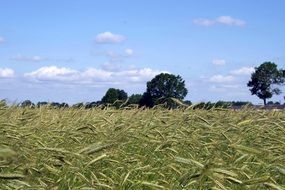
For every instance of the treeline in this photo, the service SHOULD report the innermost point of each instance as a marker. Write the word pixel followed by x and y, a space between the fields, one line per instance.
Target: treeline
pixel 133 101
pixel 169 91
pixel 166 90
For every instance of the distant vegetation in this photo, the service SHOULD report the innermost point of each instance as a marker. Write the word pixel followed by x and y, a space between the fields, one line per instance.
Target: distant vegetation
pixel 134 101
pixel 169 90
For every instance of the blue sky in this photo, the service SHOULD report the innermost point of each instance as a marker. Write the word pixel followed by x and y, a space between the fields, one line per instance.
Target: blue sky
pixel 74 51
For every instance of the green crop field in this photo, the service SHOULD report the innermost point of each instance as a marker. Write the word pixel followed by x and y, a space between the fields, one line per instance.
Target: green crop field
pixel 56 149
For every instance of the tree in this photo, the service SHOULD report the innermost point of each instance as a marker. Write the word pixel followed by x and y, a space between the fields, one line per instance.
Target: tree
pixel 241 103
pixel 146 100
pixel 64 105
pixel 187 102
pixel 113 94
pixel 264 81
pixel 27 103
pixel 273 103
pixel 78 105
pixel 90 105
pixel 40 104
pixel 55 105
pixel 135 99
pixel 162 88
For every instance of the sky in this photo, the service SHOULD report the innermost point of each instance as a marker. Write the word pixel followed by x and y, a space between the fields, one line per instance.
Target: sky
pixel 73 51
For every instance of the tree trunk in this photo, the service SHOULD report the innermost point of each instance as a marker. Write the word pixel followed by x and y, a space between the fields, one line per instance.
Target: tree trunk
pixel 264 101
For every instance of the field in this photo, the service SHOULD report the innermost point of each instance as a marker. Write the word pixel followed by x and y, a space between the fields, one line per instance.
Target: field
pixel 45 148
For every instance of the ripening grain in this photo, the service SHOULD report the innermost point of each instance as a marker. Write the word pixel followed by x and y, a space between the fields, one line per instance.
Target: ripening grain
pixel 141 149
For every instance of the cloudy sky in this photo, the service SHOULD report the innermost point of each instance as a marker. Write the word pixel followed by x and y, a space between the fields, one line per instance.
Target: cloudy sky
pixel 72 51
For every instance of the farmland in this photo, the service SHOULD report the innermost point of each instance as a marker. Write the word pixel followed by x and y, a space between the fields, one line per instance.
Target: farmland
pixel 44 148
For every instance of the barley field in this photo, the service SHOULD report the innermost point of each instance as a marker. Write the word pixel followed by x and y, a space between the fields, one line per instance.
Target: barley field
pixel 44 148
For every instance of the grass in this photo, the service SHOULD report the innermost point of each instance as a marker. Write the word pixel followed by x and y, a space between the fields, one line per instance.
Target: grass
pixel 141 149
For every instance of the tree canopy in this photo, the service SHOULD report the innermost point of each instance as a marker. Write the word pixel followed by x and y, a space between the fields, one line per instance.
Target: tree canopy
pixel 134 99
pixel 27 103
pixel 113 94
pixel 265 80
pixel 163 87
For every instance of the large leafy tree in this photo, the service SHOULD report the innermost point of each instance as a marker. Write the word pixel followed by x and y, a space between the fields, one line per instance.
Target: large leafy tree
pixel 162 88
pixel 113 94
pixel 134 99
pixel 265 80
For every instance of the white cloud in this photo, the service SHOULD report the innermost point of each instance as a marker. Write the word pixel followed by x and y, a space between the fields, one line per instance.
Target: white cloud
pixel 243 71
pixel 228 20
pixel 99 74
pixel 108 37
pixel 53 73
pixel 221 79
pixel 219 62
pixel 225 20
pixel 137 75
pixel 129 52
pixel 35 58
pixel 6 73
pixel 2 39
pixel 204 22
pixel 92 75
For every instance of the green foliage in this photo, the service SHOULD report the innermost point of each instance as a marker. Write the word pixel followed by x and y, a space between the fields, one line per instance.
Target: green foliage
pixel 240 103
pixel 90 105
pixel 78 105
pixel 40 104
pixel 188 102
pixel 53 105
pixel 27 103
pixel 162 88
pixel 273 103
pixel 146 100
pixel 265 79
pixel 113 95
pixel 221 104
pixel 135 99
